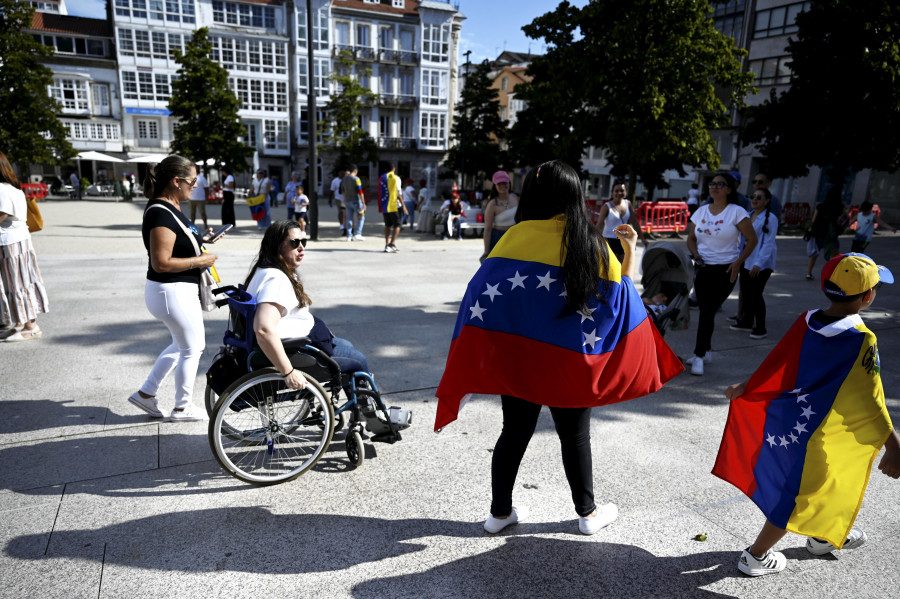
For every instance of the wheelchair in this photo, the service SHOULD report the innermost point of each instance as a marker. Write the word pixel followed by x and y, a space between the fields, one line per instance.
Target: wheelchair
pixel 263 432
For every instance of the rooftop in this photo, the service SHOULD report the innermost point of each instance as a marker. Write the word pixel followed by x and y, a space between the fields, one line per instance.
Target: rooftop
pixel 43 21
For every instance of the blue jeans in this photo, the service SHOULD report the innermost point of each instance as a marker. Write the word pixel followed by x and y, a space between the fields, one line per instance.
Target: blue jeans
pixel 354 215
pixel 411 214
pixel 267 218
pixel 348 357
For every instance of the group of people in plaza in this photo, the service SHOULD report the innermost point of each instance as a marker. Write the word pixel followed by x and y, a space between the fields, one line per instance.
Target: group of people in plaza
pixel 556 320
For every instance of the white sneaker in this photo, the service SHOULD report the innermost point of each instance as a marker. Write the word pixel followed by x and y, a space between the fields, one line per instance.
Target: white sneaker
pixel 495 525
pixel 697 366
pixel 770 563
pixel 189 414
pixel 856 538
pixel 358 238
pixel 604 516
pixel 148 404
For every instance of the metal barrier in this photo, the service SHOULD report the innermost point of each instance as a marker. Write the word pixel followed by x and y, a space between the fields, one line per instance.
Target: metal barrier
pixel 663 217
pixel 37 191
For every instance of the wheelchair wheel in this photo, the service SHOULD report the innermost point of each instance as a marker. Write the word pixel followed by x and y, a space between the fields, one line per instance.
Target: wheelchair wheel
pixel 356 453
pixel 210 399
pixel 264 433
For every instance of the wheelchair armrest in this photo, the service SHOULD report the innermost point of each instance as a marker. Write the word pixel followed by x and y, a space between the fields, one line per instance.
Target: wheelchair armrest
pixel 220 302
pixel 295 342
pixel 219 290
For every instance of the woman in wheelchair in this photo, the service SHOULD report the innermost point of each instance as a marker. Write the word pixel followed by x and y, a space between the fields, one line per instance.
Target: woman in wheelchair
pixel 282 310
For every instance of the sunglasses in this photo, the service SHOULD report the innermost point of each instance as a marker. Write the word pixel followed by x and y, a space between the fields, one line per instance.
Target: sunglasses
pixel 295 243
pixel 759 181
pixel 758 196
pixel 717 185
pixel 190 182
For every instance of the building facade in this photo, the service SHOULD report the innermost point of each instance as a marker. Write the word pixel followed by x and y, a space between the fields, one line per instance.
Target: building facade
pixel 408 46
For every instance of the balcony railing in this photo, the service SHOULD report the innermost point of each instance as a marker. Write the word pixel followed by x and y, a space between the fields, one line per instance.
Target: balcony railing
pixel 397 143
pixel 399 56
pixel 338 48
pixel 398 101
pixel 366 53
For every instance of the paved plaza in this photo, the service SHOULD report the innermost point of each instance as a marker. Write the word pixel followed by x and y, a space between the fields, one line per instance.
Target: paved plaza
pixel 97 500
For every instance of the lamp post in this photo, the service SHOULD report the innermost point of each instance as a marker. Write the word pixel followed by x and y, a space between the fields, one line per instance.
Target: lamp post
pixel 313 134
pixel 465 124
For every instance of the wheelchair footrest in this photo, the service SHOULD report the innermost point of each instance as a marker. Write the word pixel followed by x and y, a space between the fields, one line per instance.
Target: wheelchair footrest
pixel 386 438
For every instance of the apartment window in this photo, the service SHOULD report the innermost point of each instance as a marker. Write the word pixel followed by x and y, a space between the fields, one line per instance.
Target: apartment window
pixel 304 125
pixel 100 92
pixel 778 21
pixel 386 38
pixel 129 85
pixel 270 96
pixel 162 87
pixel 434 86
pixel 728 18
pixel 504 84
pixel 126 42
pixel 73 45
pixel 363 36
pixel 174 11
pixel 148 133
pixel 342 34
pixel 321 71
pixel 405 125
pixel 433 129
pixel 176 42
pixel 250 55
pixel 145 86
pixel 771 71
pixel 46 6
pixel 112 131
pixel 244 15
pixel 407 87
pixel 252 137
pixel 320 28
pixel 72 95
pixel 398 3
pixel 407 40
pixel 436 43
pixel 255 95
pixel 142 43
pixel 384 126
pixel 275 135
pixel 159 45
pixel 386 83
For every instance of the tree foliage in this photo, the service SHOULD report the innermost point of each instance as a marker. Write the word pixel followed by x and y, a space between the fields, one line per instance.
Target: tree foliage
pixel 477 128
pixel 30 131
pixel 343 123
pixel 646 80
pixel 843 106
pixel 206 107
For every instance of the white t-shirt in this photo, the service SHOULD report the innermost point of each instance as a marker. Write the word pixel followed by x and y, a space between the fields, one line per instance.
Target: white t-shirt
pixel 229 183
pixel 693 197
pixel 718 238
pixel 865 225
pixel 271 285
pixel 260 186
pixel 301 203
pixel 198 194
pixel 336 188
pixel 409 194
pixel 14 228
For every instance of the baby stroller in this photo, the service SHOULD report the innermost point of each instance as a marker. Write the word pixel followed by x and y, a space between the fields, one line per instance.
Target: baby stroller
pixel 263 432
pixel 667 269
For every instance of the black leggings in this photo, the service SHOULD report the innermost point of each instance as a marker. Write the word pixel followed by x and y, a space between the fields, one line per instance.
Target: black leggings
pixel 228 208
pixel 754 305
pixel 573 425
pixel 713 284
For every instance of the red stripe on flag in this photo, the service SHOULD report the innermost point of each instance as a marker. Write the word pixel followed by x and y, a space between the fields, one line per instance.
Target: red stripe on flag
pixel 494 363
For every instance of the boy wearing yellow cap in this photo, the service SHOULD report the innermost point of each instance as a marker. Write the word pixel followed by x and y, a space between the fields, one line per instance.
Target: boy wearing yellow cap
pixel 804 431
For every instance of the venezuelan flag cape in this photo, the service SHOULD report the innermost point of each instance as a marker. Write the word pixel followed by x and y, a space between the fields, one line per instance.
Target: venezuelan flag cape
pixel 383 195
pixel 801 440
pixel 509 338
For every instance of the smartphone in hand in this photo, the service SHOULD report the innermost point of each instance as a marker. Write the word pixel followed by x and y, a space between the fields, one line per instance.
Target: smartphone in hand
pixel 215 237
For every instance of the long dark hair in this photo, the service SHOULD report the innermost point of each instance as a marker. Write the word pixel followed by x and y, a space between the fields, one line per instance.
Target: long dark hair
pixel 731 182
pixel 553 189
pixel 768 195
pixel 269 256
pixel 159 175
pixel 7 174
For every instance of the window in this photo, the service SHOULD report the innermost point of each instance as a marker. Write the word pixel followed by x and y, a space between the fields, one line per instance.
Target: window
pixel 100 93
pixel 384 126
pixel 129 85
pixel 162 87
pixel 405 125
pixel 436 43
pixel 363 33
pixel 504 84
pixel 142 43
pixel 270 96
pixel 320 75
pixel 252 137
pixel 126 42
pixel 397 3
pixel 176 42
pixel 433 129
pixel 342 34
pixel 778 21
pixel 72 95
pixel 244 15
pixel 728 18
pixel 46 6
pixel 771 71
pixel 145 86
pixel 434 86
pixel 159 45
pixel 275 135
pixel 112 131
pixel 407 40
pixel 174 11
pixel 250 55
pixel 386 38
pixel 148 133
pixel 407 88
pixel 304 125
pixel 73 45
pixel 386 83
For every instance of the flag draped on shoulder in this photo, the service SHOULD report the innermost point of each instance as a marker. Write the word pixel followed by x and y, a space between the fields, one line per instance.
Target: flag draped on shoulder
pixel 383 192
pixel 801 440
pixel 510 337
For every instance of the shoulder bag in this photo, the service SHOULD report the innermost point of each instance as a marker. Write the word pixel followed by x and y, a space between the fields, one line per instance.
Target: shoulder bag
pixel 35 220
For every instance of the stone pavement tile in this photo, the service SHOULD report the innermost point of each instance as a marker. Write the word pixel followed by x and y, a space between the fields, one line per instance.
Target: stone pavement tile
pixel 51 461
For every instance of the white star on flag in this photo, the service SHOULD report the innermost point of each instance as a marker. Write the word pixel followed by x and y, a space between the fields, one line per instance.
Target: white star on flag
pixel 796 391
pixel 591 338
pixel 517 281
pixel 563 294
pixel 802 398
pixel 492 291
pixel 807 412
pixel 587 314
pixel 770 440
pixel 477 311
pixel 793 437
pixel 801 428
pixel 545 281
pixel 784 442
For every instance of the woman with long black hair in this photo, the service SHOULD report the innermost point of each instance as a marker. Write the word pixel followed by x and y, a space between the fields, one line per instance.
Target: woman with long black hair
pixel 552 319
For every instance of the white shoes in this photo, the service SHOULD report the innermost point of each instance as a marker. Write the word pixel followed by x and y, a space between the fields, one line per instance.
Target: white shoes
pixel 147 404
pixel 358 238
pixel 771 563
pixel 856 538
pixel 495 525
pixel 604 516
pixel 189 414
pixel 696 363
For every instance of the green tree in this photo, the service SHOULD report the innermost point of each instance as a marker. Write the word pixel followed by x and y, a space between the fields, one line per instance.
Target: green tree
pixel 343 114
pixel 30 132
pixel 477 128
pixel 646 80
pixel 208 125
pixel 843 106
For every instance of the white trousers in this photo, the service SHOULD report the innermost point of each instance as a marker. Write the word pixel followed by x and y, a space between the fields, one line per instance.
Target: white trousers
pixel 177 305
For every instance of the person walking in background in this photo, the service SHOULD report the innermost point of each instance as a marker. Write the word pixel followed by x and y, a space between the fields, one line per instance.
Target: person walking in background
pixel 228 197
pixel 172 289
pixel 22 292
pixel 290 192
pixel 274 189
pixel 262 186
pixel 354 204
pixel 549 316
pixel 824 375
pixel 198 200
pixel 762 181
pixel 824 231
pixel 301 206
pixel 338 198
pixel 693 201
pixel 618 211
pixel 759 266
pixel 75 182
pixel 865 227
pixel 391 207
pixel 500 212
pixel 409 202
pixel 714 240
